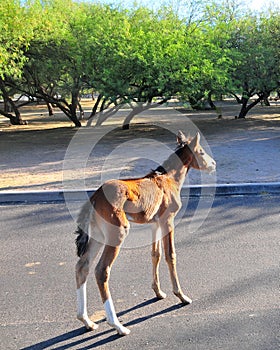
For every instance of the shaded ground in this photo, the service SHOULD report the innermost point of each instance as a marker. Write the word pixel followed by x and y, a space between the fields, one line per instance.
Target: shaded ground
pixel 32 156
pixel 229 267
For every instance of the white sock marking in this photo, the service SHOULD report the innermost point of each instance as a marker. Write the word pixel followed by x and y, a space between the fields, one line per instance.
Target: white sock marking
pixel 82 307
pixel 112 318
pixel 82 300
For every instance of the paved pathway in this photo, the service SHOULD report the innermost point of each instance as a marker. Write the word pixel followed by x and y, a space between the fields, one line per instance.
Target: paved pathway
pixel 229 266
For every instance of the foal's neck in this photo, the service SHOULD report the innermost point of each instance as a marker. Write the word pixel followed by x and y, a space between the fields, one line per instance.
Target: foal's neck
pixel 175 168
pixel 179 175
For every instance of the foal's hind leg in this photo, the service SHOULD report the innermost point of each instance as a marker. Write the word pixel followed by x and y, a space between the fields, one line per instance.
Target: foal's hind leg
pixel 102 273
pixel 82 271
pixel 156 256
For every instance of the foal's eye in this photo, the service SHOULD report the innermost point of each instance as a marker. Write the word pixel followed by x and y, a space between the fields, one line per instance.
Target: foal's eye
pixel 202 153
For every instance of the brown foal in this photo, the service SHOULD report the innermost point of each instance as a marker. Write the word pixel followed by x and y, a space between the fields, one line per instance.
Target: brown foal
pixel 104 223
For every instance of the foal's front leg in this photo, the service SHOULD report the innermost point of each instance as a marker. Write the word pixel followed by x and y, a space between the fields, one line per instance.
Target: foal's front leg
pixel 170 256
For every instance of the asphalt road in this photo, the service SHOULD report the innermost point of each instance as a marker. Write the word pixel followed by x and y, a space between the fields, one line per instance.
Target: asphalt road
pixel 229 267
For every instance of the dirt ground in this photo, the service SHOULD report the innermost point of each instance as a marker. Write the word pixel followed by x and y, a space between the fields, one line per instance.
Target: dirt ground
pixel 49 153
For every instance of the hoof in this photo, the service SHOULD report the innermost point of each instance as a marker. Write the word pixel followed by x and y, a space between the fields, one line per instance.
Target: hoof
pixel 159 293
pixel 184 299
pixel 122 330
pixel 91 326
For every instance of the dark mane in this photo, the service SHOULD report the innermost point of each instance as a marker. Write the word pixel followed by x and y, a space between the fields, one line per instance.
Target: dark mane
pixel 163 169
pixel 180 149
pixel 160 170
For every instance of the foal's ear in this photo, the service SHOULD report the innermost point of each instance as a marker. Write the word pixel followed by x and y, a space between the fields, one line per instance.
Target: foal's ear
pixel 181 138
pixel 195 143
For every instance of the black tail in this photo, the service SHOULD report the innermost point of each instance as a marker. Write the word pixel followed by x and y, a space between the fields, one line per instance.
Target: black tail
pixel 83 221
pixel 81 242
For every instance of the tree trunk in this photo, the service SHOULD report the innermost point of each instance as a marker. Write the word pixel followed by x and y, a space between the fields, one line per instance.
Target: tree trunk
pixel 266 101
pixel 210 101
pixel 73 117
pixel 68 109
pixel 130 116
pixel 73 106
pixel 194 101
pixel 96 104
pixel 264 97
pixel 15 120
pixel 103 116
pixel 50 109
pixel 7 106
pixel 139 109
pixel 245 108
pixel 82 113
pixel 238 99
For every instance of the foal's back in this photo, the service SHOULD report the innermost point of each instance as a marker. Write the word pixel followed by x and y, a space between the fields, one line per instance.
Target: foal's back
pixel 138 199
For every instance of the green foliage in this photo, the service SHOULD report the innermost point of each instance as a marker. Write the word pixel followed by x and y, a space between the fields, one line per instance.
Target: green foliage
pixel 256 70
pixel 51 48
pixel 15 35
pixel 257 63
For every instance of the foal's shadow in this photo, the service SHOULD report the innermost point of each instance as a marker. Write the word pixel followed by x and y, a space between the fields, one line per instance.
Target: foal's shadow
pixel 53 343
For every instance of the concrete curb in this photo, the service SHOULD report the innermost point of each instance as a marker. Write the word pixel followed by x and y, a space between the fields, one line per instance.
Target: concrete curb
pixel 239 189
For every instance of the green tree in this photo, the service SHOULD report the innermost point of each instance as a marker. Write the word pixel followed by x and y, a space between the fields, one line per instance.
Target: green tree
pixel 55 58
pixel 256 64
pixel 208 71
pixel 145 60
pixel 54 49
pixel 16 32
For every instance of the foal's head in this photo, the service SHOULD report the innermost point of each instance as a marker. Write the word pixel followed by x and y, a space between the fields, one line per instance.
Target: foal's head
pixel 193 155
